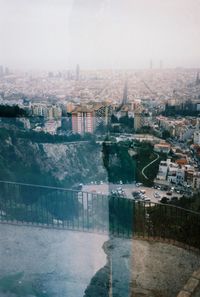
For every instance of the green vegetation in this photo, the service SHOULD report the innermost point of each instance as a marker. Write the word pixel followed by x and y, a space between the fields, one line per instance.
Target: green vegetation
pixel 166 134
pixel 42 137
pixel 159 221
pixel 121 216
pixel 37 204
pixel 168 222
pixel 125 124
pixel 122 125
pixel 192 203
pixel 101 129
pixel 118 163
pixel 22 159
pixel 145 130
pixel 12 111
pixel 121 166
pixel 145 155
pixel 18 161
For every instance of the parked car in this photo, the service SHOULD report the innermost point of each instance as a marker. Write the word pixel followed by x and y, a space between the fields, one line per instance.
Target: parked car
pixel 137 198
pixel 174 199
pixel 156 195
pixel 164 200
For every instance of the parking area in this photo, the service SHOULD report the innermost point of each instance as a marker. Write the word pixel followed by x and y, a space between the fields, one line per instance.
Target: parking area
pixel 151 194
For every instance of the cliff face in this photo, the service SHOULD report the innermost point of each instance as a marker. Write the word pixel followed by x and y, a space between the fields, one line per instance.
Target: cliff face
pixel 76 162
pixel 51 164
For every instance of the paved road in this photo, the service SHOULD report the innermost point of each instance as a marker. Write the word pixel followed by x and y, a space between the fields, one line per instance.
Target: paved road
pixel 149 165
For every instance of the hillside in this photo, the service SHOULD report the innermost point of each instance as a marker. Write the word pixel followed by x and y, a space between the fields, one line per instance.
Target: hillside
pixel 59 164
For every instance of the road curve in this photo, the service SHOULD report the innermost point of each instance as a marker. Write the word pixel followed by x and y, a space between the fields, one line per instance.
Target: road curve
pixel 149 165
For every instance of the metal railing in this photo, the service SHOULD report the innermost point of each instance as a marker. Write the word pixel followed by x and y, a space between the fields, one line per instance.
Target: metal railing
pixel 76 210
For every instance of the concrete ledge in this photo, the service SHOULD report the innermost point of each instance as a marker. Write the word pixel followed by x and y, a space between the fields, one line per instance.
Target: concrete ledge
pixel 167 241
pixel 191 285
pixel 196 274
pixel 184 294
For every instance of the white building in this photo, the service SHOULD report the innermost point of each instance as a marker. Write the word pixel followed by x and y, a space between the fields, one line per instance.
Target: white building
pixel 163 170
pixel 171 172
pixel 196 181
pixel 51 126
pixel 176 175
pixel 196 137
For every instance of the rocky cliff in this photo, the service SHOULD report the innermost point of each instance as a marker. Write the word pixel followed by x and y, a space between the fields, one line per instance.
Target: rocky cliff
pixel 60 164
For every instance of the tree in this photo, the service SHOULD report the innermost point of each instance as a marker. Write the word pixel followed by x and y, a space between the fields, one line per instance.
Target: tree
pixel 101 128
pixel 11 111
pixel 114 119
pixel 166 134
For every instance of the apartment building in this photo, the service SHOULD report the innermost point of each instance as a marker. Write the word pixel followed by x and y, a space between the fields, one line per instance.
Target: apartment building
pixel 83 120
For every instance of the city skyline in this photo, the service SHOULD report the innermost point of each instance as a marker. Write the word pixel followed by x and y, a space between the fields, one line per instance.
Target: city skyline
pixel 98 35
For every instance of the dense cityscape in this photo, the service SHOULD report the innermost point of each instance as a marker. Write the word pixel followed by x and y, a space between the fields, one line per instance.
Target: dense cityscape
pixel 122 105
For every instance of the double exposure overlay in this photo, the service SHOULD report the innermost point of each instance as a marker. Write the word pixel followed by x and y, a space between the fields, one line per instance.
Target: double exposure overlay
pixel 99 148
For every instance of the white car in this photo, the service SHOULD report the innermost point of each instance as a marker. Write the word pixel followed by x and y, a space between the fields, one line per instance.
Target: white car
pixel 119 189
pixel 157 195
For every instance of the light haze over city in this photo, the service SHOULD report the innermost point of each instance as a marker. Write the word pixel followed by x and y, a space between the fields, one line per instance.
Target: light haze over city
pixel 58 34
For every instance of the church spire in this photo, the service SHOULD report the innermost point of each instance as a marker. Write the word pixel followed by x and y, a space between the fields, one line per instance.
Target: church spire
pixel 197 79
pixel 125 94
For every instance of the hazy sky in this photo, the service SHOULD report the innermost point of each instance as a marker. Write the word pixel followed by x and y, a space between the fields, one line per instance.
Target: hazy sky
pixel 58 34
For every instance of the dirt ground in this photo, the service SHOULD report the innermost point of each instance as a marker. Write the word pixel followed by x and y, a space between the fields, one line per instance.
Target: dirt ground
pixel 38 262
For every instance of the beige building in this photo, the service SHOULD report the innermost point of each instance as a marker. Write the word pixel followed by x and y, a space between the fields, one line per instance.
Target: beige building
pixel 138 119
pixel 162 147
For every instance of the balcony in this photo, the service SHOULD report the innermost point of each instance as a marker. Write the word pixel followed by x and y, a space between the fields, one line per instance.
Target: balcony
pixel 51 242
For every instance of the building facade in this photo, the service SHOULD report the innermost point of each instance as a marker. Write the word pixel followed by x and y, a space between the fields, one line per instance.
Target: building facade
pixel 83 121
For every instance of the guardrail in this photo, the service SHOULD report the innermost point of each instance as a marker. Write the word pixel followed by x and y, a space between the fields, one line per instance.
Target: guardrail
pixel 76 210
